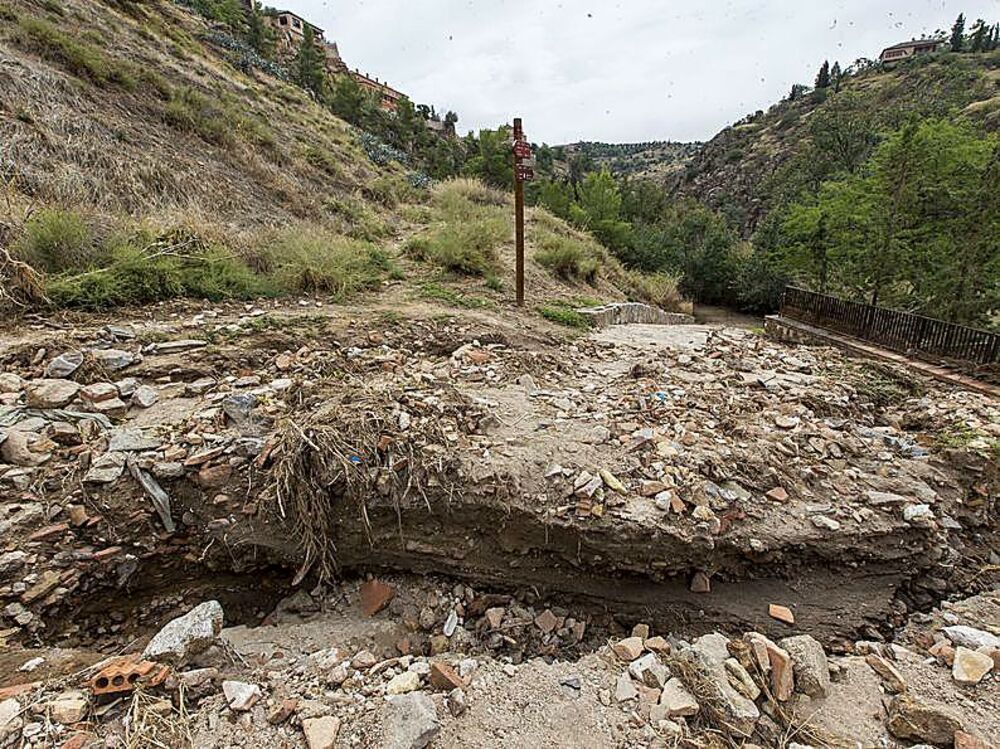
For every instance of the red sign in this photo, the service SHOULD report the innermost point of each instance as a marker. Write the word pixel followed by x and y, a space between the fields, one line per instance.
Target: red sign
pixel 524 173
pixel 522 150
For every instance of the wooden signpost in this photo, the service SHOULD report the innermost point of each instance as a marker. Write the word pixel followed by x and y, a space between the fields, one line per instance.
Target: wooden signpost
pixel 524 170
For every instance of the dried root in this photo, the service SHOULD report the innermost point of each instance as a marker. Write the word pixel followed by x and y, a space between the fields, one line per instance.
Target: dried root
pixel 371 445
pixel 21 286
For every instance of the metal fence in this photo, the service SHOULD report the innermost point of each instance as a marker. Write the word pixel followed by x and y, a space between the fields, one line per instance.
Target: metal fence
pixel 901 331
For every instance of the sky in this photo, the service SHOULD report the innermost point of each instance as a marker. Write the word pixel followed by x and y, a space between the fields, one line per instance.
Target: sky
pixel 620 72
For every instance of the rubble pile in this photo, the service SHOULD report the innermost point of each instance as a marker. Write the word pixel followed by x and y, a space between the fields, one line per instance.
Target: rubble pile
pixel 211 469
pixel 361 665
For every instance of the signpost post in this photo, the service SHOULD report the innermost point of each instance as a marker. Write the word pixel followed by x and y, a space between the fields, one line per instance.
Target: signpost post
pixel 523 171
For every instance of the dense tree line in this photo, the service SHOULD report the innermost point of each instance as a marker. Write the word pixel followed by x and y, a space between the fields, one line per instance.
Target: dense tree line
pixel 899 208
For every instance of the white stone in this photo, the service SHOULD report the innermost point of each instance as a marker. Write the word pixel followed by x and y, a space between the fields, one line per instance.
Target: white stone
pixel 321 733
pixel 188 635
pixel 240 696
pixel 408 681
pixel 678 701
pixel 971 637
pixel 970 667
pixel 411 722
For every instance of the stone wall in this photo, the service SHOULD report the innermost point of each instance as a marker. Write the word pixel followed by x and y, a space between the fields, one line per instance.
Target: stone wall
pixel 633 313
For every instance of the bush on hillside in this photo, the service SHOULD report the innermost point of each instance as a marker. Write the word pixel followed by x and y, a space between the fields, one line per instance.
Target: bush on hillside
pixel 142 268
pixel 468 226
pixel 56 240
pixel 569 258
pixel 314 261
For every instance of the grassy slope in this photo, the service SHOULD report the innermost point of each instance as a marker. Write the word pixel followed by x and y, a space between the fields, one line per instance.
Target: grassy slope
pixel 156 141
pixel 735 166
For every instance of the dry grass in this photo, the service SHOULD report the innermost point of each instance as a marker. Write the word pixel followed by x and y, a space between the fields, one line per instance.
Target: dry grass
pixel 355 451
pixel 713 721
pixel 152 723
pixel 21 286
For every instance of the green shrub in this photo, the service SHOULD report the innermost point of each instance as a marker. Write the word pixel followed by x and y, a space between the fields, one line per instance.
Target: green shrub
pixel 467 229
pixel 469 248
pixel 142 271
pixel 569 258
pixel 323 160
pixel 453 298
pixel 220 123
pixel 79 58
pixel 55 240
pixel 390 191
pixel 659 289
pixel 563 314
pixel 309 260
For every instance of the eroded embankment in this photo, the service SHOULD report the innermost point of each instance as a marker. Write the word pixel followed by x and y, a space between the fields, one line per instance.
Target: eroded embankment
pixel 690 474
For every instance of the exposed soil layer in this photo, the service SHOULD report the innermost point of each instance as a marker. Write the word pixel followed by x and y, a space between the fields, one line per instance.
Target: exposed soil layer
pixel 615 470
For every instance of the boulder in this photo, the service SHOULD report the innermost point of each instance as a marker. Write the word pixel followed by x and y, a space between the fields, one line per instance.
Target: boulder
pixel 241 696
pixel 64 365
pixel 649 671
pixel 628 649
pixel 10 383
pixel 10 717
pixel 408 681
pixel 890 676
pixel 971 637
pixel 624 688
pixel 105 469
pixel 916 720
pixel 411 722
pixel 778 664
pixel 16 450
pixel 53 393
pixel 677 700
pixel 187 636
pixel 68 708
pixel 811 670
pixel 144 396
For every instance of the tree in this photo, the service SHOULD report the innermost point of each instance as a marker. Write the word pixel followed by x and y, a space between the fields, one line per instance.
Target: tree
pixel 823 77
pixel 797 90
pixel 836 77
pixel 981 36
pixel 348 100
pixel 259 34
pixel 915 229
pixel 598 208
pixel 556 197
pixel 308 70
pixel 493 158
pixel 958 34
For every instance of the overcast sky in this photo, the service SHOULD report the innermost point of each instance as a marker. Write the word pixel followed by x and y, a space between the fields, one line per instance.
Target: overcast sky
pixel 626 71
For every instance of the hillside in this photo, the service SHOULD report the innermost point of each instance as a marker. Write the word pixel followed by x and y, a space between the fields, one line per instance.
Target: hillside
pixel 148 156
pixel 656 160
pixel 741 170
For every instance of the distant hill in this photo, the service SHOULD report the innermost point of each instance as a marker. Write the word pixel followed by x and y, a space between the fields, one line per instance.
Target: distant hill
pixel 657 160
pixel 745 168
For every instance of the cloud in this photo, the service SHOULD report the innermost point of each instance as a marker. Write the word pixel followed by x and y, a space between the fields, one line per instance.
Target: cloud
pixel 619 71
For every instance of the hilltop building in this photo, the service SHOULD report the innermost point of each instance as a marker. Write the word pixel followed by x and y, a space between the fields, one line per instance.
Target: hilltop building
pixel 905 50
pixel 387 96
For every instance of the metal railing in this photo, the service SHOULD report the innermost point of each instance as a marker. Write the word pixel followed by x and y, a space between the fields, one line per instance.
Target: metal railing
pixel 911 334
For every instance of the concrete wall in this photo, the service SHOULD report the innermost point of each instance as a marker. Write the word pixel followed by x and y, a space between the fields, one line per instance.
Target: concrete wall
pixel 633 313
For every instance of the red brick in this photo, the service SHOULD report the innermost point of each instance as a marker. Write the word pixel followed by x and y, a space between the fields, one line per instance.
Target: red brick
pixel 444 678
pixel 375 596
